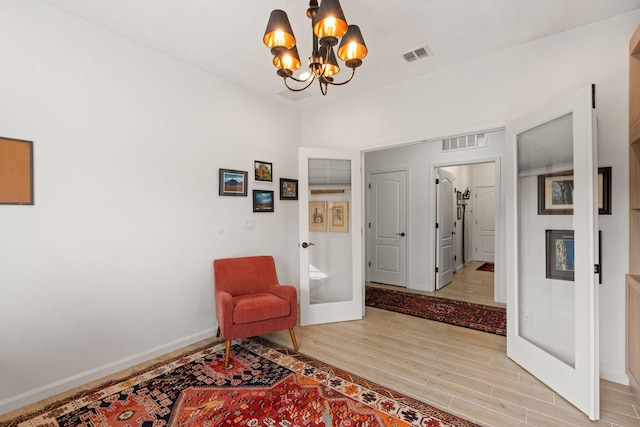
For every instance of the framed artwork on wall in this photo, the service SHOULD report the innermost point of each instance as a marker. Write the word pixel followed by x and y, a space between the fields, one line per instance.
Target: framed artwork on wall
pixel 560 254
pixel 263 171
pixel 262 201
pixel 232 183
pixel 339 217
pixel 16 172
pixel 318 216
pixel 555 193
pixel 288 189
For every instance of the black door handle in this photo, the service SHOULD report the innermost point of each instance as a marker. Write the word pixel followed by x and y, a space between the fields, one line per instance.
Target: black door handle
pixel 305 245
pixel 400 234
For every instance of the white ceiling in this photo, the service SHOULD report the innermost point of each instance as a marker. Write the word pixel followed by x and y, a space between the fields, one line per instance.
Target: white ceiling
pixel 224 37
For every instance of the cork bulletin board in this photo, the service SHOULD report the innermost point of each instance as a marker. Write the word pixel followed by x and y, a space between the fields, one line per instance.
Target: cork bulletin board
pixel 16 172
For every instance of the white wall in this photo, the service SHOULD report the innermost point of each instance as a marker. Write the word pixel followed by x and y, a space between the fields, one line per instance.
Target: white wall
pixel 112 265
pixel 488 92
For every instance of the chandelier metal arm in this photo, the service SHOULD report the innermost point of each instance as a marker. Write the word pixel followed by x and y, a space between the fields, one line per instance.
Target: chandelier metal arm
pixel 353 73
pixel 298 89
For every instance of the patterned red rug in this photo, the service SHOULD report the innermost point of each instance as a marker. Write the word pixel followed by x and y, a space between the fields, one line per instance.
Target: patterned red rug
pixel 487 266
pixel 475 316
pixel 267 386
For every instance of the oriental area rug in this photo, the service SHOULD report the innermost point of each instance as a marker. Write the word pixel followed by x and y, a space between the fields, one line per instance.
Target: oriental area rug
pixel 266 386
pixel 487 266
pixel 460 313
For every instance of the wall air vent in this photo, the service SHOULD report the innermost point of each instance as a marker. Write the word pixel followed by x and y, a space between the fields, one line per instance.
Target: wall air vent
pixel 464 142
pixel 421 52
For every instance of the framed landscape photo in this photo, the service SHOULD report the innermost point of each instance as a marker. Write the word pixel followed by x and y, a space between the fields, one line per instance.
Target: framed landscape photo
pixel 262 201
pixel 555 193
pixel 560 254
pixel 288 189
pixel 263 171
pixel 339 217
pixel 318 216
pixel 232 183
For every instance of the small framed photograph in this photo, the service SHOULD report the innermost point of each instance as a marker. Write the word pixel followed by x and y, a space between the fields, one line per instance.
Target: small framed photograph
pixel 339 217
pixel 459 212
pixel 555 193
pixel 459 197
pixel 288 189
pixel 263 171
pixel 232 183
pixel 560 254
pixel 318 216
pixel 262 201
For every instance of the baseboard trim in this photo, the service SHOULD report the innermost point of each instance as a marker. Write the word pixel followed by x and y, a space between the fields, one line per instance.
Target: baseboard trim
pixel 37 394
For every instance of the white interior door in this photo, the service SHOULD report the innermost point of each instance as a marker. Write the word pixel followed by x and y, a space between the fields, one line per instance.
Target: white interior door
pixel 330 218
pixel 485 235
pixel 444 230
pixel 552 293
pixel 388 228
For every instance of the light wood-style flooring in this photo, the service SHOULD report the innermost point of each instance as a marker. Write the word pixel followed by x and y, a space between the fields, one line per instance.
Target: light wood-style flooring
pixel 462 371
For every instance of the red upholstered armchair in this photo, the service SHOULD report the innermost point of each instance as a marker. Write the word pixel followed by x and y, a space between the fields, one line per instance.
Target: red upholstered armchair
pixel 250 301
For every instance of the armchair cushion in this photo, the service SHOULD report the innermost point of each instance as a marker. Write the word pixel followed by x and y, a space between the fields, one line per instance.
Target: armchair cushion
pixel 257 307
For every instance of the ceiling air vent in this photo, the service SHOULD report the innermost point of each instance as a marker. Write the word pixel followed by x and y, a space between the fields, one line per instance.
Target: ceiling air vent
pixel 464 142
pixel 421 52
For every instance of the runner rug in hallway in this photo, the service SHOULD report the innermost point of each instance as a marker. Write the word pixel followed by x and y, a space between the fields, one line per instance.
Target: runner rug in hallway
pixel 475 316
pixel 267 385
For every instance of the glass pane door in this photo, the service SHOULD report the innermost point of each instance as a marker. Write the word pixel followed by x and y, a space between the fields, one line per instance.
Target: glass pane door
pixel 552 294
pixel 331 284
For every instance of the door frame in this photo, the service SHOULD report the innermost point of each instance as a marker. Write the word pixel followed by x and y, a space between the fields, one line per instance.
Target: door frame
pixel 499 292
pixel 367 217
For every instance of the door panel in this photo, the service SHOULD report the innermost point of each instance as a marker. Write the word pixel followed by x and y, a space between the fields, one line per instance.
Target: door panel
pixel 485 223
pixel 444 232
pixel 330 218
pixel 552 220
pixel 388 219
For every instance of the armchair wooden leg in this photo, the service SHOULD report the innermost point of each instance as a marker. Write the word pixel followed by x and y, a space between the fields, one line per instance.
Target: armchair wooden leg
pixel 226 354
pixel 293 339
pixel 218 333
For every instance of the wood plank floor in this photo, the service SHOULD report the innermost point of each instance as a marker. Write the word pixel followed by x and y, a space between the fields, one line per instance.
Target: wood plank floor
pixel 462 371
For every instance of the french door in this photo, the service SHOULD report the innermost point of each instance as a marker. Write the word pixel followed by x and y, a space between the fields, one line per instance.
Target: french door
pixel 552 220
pixel 330 218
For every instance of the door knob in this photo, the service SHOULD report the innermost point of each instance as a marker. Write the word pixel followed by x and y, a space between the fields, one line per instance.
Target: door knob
pixel 305 245
pixel 400 234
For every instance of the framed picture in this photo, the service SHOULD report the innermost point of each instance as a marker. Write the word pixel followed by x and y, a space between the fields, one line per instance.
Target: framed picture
pixel 339 217
pixel 288 189
pixel 459 197
pixel 263 171
pixel 555 193
pixel 604 191
pixel 262 201
pixel 318 216
pixel 16 172
pixel 459 212
pixel 560 254
pixel 232 183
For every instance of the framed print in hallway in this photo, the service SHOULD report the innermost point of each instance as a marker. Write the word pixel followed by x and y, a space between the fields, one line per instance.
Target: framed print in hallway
pixel 232 183
pixel 560 254
pixel 318 216
pixel 555 193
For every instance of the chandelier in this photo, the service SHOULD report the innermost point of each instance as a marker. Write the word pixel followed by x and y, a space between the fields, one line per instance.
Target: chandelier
pixel 329 27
